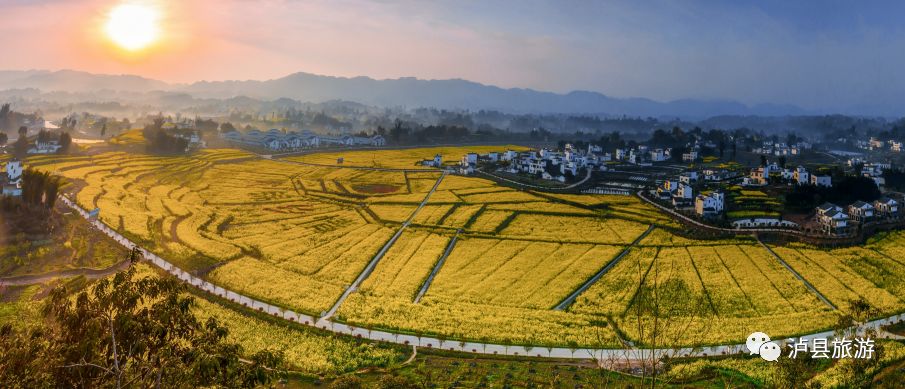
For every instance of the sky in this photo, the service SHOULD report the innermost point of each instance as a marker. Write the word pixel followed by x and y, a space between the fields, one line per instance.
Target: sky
pixel 815 54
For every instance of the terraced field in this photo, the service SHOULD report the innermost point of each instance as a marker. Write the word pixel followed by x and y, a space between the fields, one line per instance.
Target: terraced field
pixel 298 235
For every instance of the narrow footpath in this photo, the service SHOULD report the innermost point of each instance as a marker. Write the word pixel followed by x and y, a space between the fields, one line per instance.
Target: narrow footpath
pixel 430 278
pixel 581 289
pixel 374 261
pixel 90 274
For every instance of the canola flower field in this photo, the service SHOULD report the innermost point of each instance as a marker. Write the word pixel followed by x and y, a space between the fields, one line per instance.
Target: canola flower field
pixel 298 235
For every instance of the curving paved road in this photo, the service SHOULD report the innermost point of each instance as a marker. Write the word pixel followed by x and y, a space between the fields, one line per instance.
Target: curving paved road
pixel 452 345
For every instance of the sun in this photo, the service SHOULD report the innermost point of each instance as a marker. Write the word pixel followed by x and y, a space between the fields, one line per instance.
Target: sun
pixel 132 26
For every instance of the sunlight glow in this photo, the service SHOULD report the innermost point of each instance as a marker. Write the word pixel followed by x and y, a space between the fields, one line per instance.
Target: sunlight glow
pixel 132 26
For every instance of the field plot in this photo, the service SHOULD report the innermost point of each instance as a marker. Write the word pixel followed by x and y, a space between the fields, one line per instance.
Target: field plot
pixel 726 290
pixel 405 266
pixel 839 283
pixel 517 273
pixel 574 229
pixel 661 237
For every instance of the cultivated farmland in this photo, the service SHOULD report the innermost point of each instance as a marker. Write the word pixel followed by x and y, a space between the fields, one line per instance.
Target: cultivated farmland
pixel 298 234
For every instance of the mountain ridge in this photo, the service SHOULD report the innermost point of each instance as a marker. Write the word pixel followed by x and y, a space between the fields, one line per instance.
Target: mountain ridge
pixel 407 92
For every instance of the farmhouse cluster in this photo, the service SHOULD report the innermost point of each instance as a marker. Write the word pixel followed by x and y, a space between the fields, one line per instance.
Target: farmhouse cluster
pixel 278 140
pixel 780 149
pixel 772 172
pixel 876 144
pixel 835 220
pixel 544 163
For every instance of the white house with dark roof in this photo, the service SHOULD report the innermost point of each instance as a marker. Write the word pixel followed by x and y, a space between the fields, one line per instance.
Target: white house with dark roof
pixel 826 181
pixel 861 212
pixel 709 205
pixel 832 219
pixel 801 176
pixel 886 207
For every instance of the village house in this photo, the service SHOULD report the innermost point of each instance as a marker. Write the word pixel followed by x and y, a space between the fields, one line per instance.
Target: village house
pixel 761 175
pixel 861 212
pixel 690 156
pixel 659 155
pixel 832 219
pixel 801 176
pixel 436 162
pixel 875 144
pixel 667 189
pixel 709 205
pixel 826 181
pixel 688 177
pixel 193 138
pixel 786 174
pixel 715 175
pixel 45 147
pixel 683 196
pixel 886 207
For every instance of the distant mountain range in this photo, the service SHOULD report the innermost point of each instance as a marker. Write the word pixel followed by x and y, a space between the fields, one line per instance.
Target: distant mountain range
pixel 402 92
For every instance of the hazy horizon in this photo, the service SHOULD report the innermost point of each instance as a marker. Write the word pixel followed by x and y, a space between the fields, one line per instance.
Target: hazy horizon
pixel 817 55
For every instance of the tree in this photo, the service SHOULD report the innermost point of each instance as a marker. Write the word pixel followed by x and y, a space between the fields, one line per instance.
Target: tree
pixel 104 130
pixel 665 313
pixel 39 189
pixel 128 331
pixel 347 382
pixel 390 381
pixel 5 119
pixel 763 160
pixel 782 161
pixel 227 127
pixel 65 142
pixel 20 148
pixel 3 138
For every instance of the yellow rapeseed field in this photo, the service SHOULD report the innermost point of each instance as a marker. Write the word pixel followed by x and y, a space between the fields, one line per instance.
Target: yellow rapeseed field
pixel 297 235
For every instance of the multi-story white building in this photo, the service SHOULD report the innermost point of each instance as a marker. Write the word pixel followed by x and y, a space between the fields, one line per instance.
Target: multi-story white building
pixel 886 207
pixel 832 219
pixel 801 176
pixel 709 205
pixel 826 181
pixel 861 212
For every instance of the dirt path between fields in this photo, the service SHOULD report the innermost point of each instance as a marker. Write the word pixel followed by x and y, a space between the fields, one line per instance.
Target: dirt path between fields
pixel 90 274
